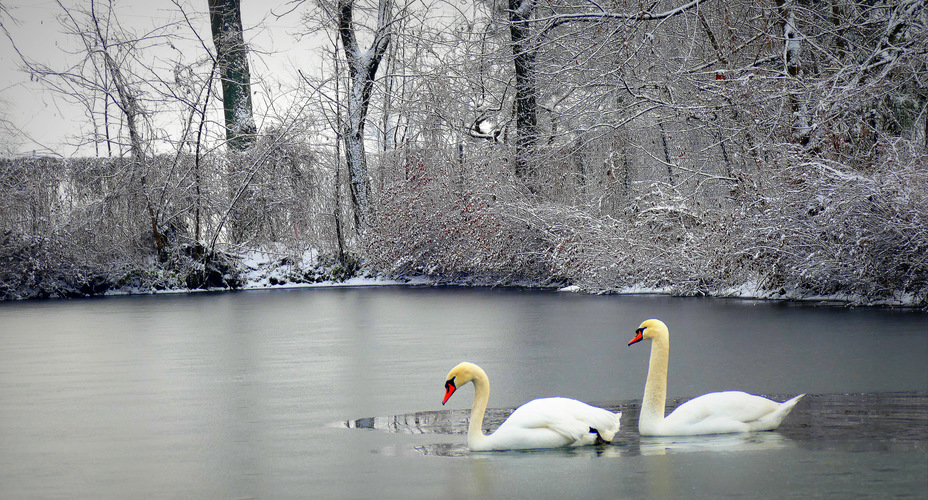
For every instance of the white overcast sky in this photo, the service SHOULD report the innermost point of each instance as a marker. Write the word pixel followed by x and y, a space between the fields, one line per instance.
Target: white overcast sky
pixel 48 121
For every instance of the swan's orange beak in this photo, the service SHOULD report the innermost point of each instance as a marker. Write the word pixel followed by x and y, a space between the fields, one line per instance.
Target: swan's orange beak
pixel 449 390
pixel 639 336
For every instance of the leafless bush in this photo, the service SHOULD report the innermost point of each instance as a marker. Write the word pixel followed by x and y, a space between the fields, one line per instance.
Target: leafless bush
pixel 453 225
pixel 72 227
pixel 817 229
pixel 277 191
pixel 831 231
pixel 51 244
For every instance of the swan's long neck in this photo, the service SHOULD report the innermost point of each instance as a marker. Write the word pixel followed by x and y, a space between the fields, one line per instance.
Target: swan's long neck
pixel 475 436
pixel 655 389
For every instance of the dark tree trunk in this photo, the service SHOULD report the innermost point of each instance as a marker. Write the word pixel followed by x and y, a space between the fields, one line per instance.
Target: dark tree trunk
pixel 225 18
pixel 523 50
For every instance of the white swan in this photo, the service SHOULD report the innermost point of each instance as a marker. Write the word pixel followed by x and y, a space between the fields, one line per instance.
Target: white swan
pixel 713 413
pixel 540 423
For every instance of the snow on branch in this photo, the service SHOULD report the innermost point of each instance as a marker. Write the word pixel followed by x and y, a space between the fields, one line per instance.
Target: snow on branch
pixel 603 15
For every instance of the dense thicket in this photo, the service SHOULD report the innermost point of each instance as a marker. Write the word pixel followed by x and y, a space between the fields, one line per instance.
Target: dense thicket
pixel 772 150
pixel 776 149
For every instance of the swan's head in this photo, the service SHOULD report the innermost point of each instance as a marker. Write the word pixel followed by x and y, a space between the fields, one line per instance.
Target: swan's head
pixel 459 375
pixel 649 330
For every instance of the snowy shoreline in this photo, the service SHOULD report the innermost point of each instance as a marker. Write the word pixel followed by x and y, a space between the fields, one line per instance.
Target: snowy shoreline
pixel 268 270
pixel 841 300
pixel 742 293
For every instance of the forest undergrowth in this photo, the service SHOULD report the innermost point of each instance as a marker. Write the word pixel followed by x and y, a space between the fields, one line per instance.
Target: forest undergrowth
pixel 806 229
pixel 810 231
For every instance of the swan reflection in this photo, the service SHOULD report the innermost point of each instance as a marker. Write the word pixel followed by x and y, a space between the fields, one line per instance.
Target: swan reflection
pixel 461 450
pixel 424 422
pixel 629 446
pixel 752 441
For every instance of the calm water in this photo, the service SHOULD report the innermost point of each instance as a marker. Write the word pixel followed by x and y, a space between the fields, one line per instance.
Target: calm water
pixel 329 393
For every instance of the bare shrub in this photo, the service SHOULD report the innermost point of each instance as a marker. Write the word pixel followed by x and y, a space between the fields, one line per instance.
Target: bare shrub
pixel 832 231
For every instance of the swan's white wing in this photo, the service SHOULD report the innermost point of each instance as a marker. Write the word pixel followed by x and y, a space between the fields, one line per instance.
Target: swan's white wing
pixel 554 422
pixel 724 412
pixel 736 405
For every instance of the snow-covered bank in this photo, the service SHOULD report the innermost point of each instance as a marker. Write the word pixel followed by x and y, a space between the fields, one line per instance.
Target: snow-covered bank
pixel 270 270
pixel 266 270
pixel 263 270
pixel 749 291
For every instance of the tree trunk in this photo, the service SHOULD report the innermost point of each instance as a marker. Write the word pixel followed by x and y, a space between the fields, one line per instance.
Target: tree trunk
pixel 225 18
pixel 362 68
pixel 523 50
pixel 337 211
pixel 792 45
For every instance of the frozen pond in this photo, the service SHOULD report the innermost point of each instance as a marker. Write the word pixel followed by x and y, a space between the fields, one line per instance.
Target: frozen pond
pixel 336 393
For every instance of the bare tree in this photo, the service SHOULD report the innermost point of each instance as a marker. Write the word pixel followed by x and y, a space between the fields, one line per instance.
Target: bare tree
pixel 362 71
pixel 8 131
pixel 105 73
pixel 528 31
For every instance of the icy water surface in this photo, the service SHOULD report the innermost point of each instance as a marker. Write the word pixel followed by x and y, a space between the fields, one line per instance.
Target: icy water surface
pixel 884 422
pixel 336 393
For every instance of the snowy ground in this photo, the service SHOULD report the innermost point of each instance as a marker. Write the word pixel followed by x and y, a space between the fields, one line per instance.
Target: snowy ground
pixel 267 270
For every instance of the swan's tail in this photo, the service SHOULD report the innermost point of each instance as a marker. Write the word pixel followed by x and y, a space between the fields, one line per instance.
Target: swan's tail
pixel 785 408
pixel 790 403
pixel 773 419
pixel 607 433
